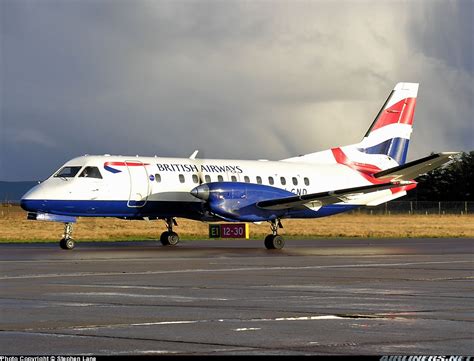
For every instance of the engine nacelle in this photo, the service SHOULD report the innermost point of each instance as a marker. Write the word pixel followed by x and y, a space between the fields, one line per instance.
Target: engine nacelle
pixel 237 200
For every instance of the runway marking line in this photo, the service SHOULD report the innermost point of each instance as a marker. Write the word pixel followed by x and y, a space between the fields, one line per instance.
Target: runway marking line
pixel 177 298
pixel 241 269
pixel 229 320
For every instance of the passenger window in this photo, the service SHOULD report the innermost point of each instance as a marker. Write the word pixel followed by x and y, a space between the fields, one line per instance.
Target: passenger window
pixel 181 178
pixel 259 180
pixel 157 178
pixel 233 178
pixel 68 172
pixel 91 172
pixel 207 177
pixel 295 181
pixel 271 181
pixel 306 181
pixel 247 179
pixel 219 178
pixel 195 178
pixel 283 181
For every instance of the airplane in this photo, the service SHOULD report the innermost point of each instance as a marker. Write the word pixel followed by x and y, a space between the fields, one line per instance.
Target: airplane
pixel 324 183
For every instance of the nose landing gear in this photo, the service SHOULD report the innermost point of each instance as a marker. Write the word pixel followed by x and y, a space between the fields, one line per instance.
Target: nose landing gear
pixel 67 242
pixel 274 241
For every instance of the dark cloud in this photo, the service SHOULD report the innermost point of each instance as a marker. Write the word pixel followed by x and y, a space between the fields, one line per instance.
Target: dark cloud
pixel 444 32
pixel 232 78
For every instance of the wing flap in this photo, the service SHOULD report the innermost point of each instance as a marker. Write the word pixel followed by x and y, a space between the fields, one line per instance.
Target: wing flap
pixel 324 198
pixel 418 167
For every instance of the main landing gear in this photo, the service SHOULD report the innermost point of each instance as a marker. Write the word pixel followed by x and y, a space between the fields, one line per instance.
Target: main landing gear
pixel 170 238
pixel 274 241
pixel 67 242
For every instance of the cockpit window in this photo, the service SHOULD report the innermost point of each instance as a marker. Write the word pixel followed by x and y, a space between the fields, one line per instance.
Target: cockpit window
pixel 91 172
pixel 67 172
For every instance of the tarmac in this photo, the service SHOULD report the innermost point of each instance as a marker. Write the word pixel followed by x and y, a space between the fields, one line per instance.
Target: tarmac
pixel 221 297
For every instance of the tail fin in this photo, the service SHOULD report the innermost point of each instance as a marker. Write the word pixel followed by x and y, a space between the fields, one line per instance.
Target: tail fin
pixel 391 130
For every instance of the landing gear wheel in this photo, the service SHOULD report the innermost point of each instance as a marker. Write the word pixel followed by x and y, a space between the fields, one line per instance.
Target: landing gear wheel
pixel 173 238
pixel 67 243
pixel 164 238
pixel 169 238
pixel 269 241
pixel 274 242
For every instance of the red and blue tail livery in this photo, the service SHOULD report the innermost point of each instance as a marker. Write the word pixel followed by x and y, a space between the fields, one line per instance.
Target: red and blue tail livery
pixel 390 132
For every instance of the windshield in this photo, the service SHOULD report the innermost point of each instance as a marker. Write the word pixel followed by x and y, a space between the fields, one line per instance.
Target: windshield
pixel 91 172
pixel 68 172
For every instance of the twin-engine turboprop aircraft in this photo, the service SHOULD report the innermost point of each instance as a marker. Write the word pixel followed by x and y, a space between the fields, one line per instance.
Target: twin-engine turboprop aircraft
pixel 314 185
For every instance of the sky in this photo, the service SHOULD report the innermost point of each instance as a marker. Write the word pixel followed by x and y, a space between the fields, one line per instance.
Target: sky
pixel 234 79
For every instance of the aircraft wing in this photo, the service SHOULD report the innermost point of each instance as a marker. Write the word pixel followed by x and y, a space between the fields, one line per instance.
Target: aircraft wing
pixel 324 198
pixel 412 170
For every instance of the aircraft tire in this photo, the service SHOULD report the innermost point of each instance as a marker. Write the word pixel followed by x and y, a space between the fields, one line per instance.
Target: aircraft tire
pixel 269 241
pixel 164 238
pixel 67 243
pixel 274 242
pixel 169 238
pixel 173 239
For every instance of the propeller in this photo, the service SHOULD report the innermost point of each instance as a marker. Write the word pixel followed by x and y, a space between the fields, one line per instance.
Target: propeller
pixel 198 164
pixel 201 191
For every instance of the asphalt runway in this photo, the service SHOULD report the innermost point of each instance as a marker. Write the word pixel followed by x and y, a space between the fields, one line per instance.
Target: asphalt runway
pixel 316 297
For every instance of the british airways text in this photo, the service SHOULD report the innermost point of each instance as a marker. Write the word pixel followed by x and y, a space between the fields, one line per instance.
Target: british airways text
pixel 194 168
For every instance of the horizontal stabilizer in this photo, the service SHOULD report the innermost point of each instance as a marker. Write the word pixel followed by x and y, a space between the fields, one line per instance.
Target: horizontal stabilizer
pixel 324 198
pixel 416 168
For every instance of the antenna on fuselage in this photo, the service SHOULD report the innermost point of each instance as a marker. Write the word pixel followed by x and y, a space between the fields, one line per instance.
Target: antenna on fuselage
pixel 193 156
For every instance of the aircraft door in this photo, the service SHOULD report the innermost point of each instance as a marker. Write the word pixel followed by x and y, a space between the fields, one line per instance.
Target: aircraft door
pixel 139 184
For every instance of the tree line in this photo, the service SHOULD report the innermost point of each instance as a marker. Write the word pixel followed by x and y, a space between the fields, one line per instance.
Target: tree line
pixel 453 182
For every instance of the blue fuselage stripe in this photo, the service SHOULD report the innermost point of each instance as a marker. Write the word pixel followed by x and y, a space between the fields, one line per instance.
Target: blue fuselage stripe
pixel 153 209
pixel 87 208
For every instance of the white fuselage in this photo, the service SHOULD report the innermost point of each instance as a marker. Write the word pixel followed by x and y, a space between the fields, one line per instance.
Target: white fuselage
pixel 160 187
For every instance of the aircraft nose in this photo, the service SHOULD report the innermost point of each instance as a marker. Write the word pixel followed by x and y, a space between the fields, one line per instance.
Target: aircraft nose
pixel 201 192
pixel 28 203
pixel 32 200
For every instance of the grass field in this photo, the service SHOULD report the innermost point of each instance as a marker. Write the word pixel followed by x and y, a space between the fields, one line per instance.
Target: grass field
pixel 14 227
